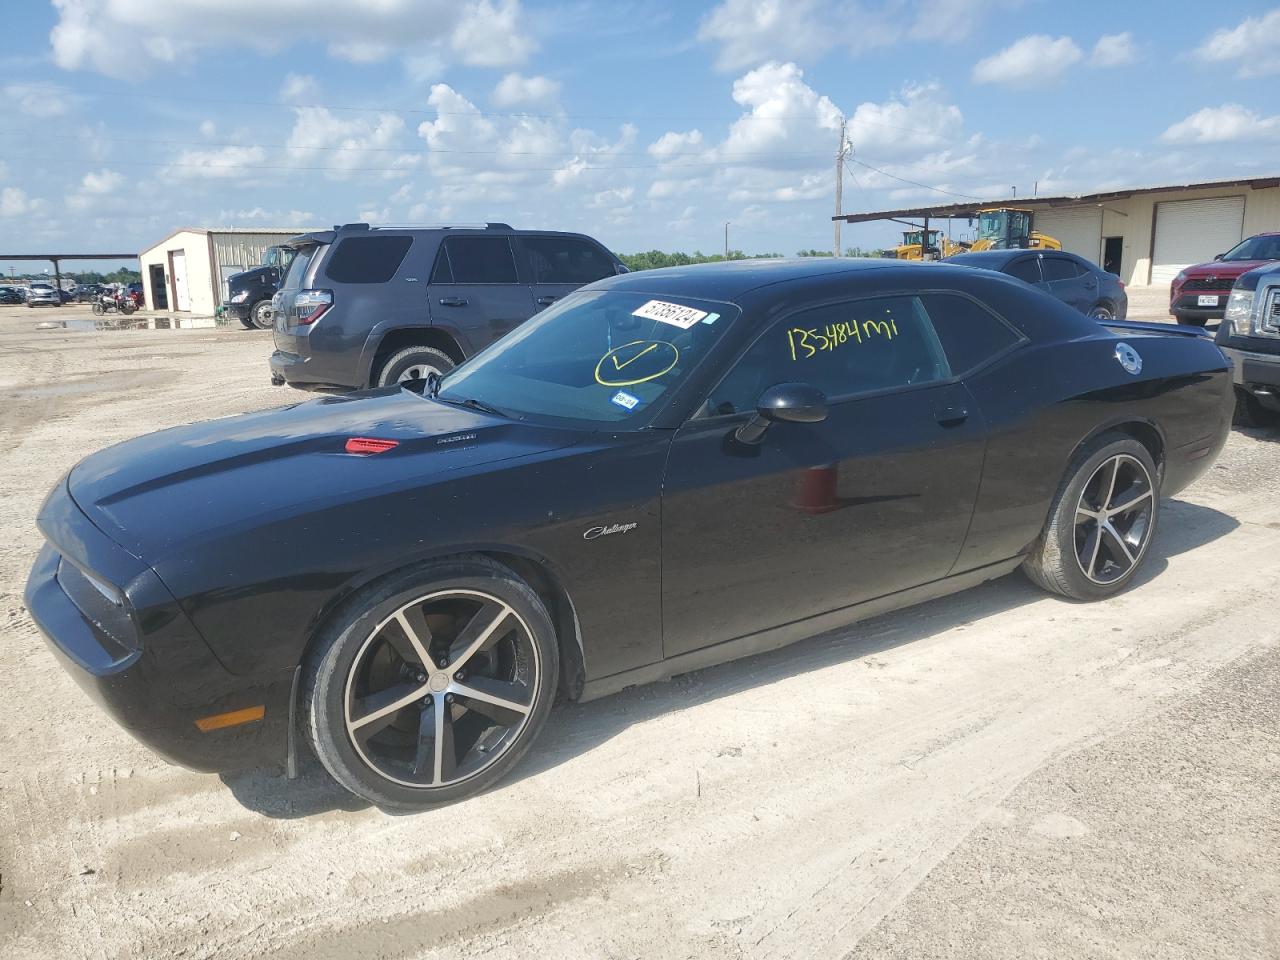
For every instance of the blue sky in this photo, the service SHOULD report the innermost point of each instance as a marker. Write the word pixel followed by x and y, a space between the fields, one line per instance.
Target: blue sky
pixel 646 124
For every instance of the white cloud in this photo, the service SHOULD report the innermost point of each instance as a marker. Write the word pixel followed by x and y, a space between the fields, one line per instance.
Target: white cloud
pixel 515 90
pixel 673 144
pixel 90 34
pixel 347 147
pixel 260 215
pixel 785 115
pixel 1114 50
pixel 492 35
pixel 222 163
pixel 949 21
pixel 750 32
pixel 1034 59
pixel 1229 123
pixel 915 121
pixel 299 88
pixel 1251 45
pixel 208 129
pixel 14 202
pixel 104 181
pixel 40 99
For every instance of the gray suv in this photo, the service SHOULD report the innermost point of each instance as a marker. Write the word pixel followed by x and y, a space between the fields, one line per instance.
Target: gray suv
pixel 363 307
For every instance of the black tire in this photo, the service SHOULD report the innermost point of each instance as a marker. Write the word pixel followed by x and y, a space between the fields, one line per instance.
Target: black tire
pixel 99 309
pixel 419 359
pixel 247 322
pixel 342 658
pixel 260 316
pixel 1056 564
pixel 1250 413
pixel 127 307
pixel 1103 311
pixel 1190 320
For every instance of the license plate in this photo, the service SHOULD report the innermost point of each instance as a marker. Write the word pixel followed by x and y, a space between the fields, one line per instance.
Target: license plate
pixel 1207 300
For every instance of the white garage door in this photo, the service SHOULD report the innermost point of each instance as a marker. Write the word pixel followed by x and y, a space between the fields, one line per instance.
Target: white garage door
pixel 1080 230
pixel 1194 231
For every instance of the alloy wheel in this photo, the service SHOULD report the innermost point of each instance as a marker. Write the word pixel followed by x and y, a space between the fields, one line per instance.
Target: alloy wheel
pixel 1113 519
pixel 417 371
pixel 441 689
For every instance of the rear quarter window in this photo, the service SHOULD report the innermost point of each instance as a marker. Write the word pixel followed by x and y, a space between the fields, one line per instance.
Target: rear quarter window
pixel 970 333
pixel 367 259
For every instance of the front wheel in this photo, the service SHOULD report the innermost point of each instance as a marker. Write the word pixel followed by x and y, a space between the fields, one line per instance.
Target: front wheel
pixel 127 307
pixel 260 316
pixel 1101 523
pixel 1102 313
pixel 1250 413
pixel 99 309
pixel 413 363
pixel 433 685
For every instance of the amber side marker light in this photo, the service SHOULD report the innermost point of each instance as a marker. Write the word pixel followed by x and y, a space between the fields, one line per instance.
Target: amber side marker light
pixel 368 445
pixel 233 719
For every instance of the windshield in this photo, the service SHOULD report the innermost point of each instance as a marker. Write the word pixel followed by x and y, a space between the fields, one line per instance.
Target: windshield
pixel 991 224
pixel 600 357
pixel 298 267
pixel 278 257
pixel 1256 248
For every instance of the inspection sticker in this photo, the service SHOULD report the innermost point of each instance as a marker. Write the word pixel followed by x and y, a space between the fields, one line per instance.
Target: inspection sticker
pixel 625 400
pixel 672 313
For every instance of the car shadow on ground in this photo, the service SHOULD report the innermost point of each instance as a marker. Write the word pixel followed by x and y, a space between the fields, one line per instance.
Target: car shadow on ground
pixel 577 728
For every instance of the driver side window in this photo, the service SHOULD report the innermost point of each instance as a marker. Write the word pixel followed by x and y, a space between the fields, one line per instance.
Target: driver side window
pixel 843 349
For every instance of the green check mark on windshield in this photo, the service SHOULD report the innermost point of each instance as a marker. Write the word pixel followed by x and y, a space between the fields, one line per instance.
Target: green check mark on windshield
pixel 619 366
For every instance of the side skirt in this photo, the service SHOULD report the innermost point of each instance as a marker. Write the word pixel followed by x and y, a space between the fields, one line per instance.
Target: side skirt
pixel 788 633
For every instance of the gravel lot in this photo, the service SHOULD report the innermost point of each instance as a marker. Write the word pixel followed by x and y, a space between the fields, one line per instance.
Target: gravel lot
pixel 998 774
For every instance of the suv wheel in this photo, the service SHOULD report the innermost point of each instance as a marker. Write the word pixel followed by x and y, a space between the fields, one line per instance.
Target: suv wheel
pixel 1250 413
pixel 412 363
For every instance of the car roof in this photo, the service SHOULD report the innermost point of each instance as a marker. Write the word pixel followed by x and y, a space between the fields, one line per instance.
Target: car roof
pixel 364 230
pixel 729 280
pixel 995 259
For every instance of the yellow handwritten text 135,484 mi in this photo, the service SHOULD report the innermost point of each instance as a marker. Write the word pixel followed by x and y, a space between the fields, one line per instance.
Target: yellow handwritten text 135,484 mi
pixel 807 343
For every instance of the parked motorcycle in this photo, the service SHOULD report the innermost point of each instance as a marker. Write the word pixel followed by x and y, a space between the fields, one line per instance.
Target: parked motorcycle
pixel 111 303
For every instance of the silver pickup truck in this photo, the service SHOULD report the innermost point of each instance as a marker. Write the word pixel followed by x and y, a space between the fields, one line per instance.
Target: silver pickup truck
pixel 1250 335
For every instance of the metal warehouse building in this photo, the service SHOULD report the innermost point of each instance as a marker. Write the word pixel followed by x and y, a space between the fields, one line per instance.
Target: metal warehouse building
pixel 1144 235
pixel 188 269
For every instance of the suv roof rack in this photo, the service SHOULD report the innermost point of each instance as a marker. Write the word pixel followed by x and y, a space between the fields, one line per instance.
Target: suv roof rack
pixel 424 226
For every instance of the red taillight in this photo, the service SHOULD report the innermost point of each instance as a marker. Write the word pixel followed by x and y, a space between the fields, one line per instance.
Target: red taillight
pixel 1121 282
pixel 308 305
pixel 368 445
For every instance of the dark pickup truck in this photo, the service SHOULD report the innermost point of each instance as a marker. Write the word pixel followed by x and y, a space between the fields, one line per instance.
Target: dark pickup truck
pixel 1250 336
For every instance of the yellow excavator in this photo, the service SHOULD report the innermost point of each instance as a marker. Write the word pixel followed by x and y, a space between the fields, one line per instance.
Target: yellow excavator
pixel 938 246
pixel 1006 228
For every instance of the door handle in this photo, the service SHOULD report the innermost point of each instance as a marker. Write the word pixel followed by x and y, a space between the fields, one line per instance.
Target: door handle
pixel 547 301
pixel 453 301
pixel 951 416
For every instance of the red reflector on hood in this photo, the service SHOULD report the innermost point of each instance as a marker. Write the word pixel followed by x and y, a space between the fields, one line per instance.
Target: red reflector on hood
pixel 370 445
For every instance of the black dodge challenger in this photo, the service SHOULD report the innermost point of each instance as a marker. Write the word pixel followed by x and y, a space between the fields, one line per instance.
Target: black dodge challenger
pixel 663 471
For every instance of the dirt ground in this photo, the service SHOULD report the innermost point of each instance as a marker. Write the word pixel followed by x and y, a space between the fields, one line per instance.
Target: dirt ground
pixel 1000 774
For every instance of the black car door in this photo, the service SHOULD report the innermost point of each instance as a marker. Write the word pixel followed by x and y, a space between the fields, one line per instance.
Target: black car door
pixel 874 499
pixel 475 292
pixel 1069 282
pixel 558 265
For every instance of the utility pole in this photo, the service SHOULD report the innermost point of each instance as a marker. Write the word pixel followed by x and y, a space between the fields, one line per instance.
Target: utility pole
pixel 840 154
pixel 726 239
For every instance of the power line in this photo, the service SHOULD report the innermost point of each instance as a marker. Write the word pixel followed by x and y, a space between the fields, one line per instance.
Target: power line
pixel 914 183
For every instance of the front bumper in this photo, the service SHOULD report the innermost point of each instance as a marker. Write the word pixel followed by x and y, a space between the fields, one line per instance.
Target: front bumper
pixel 1257 373
pixel 1188 304
pixel 238 310
pixel 158 683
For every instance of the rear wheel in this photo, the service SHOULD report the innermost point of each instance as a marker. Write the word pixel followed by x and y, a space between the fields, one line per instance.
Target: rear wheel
pixel 1102 521
pixel 1103 312
pixel 434 684
pixel 413 363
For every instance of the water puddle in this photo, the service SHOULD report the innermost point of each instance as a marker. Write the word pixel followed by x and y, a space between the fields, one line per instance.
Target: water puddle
pixel 131 323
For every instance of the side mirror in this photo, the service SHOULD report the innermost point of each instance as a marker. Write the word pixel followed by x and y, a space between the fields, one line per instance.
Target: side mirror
pixel 620 268
pixel 1218 256
pixel 789 402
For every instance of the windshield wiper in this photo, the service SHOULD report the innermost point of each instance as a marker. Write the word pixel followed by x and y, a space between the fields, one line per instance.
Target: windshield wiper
pixel 473 404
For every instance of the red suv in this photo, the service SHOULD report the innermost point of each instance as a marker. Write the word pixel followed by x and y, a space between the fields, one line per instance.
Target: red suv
pixel 1200 293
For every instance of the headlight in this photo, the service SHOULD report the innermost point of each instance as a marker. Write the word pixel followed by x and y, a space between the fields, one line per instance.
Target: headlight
pixel 1180 278
pixel 240 297
pixel 1239 312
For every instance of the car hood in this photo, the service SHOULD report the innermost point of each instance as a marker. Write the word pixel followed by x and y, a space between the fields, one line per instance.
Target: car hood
pixel 163 490
pixel 1226 269
pixel 250 278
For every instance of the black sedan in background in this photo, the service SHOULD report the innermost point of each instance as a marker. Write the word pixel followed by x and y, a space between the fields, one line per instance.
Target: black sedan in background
pixel 663 471
pixel 1073 280
pixel 11 295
